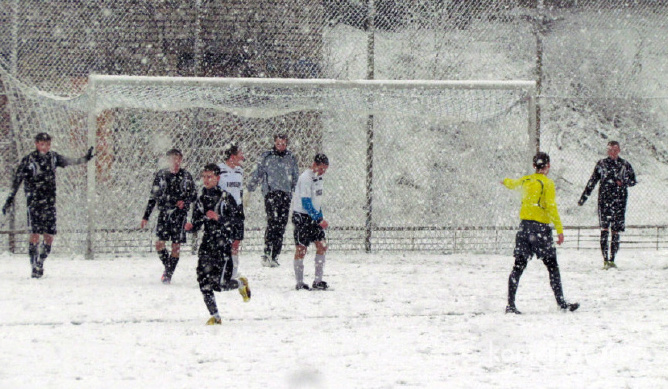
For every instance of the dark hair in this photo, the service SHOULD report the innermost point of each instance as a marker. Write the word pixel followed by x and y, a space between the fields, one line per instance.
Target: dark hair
pixel 174 152
pixel 321 159
pixel 212 167
pixel 42 136
pixel 613 143
pixel 233 149
pixel 541 160
pixel 283 136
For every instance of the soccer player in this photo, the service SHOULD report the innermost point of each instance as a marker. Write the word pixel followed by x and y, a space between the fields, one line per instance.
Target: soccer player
pixel 309 223
pixel 615 175
pixel 212 210
pixel 37 171
pixel 539 209
pixel 231 181
pixel 173 191
pixel 278 173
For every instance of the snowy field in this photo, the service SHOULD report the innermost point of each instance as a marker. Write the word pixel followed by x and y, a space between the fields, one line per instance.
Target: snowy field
pixel 409 320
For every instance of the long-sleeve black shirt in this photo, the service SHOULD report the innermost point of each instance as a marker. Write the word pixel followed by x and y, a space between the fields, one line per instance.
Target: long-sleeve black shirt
pixel 216 232
pixel 37 172
pixel 608 171
pixel 170 188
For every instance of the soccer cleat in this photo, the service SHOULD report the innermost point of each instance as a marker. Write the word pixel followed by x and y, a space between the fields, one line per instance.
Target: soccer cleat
pixel 570 307
pixel 266 262
pixel 609 265
pixel 244 289
pixel 37 272
pixel 514 310
pixel 214 321
pixel 166 278
pixel 274 263
pixel 321 285
pixel 301 286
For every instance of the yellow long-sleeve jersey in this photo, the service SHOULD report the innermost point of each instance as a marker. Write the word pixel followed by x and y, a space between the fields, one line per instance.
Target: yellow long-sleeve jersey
pixel 538 199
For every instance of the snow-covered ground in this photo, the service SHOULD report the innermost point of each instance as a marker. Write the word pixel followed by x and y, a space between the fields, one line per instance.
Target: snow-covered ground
pixel 410 320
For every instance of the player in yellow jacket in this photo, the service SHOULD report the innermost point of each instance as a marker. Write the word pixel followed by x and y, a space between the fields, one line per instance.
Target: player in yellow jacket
pixel 539 210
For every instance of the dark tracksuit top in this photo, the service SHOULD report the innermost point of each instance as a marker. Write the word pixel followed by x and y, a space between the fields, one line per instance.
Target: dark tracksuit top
pixel 611 197
pixel 168 189
pixel 37 171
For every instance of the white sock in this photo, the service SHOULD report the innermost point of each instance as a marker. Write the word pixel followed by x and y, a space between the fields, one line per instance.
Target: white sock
pixel 319 267
pixel 299 271
pixel 235 266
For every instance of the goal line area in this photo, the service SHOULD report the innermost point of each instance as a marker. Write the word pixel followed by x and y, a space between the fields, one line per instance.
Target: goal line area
pixel 408 158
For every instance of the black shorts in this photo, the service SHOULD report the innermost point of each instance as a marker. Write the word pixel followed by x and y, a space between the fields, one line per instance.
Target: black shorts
pixel 171 225
pixel 214 265
pixel 307 230
pixel 612 217
pixel 236 229
pixel 534 238
pixel 42 219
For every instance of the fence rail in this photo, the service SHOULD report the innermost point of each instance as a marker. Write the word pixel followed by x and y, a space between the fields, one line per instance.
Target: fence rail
pixel 389 239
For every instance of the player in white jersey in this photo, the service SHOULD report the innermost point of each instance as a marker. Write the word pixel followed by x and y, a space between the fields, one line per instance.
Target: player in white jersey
pixel 309 223
pixel 231 181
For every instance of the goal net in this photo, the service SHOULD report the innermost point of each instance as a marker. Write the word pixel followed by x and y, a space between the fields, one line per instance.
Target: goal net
pixel 405 156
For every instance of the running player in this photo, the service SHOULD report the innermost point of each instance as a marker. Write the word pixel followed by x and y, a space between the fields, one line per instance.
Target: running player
pixel 212 211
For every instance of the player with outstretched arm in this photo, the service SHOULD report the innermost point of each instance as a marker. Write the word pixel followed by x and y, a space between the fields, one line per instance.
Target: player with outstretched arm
pixel 37 172
pixel 309 222
pixel 539 209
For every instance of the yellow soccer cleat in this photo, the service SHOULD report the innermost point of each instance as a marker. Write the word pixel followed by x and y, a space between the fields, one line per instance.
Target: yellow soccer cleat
pixel 214 321
pixel 244 289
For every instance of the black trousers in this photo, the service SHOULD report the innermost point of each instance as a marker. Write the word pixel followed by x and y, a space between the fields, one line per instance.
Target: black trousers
pixel 277 207
pixel 535 238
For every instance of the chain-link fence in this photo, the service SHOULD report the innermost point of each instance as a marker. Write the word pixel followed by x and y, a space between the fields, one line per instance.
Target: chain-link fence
pixel 600 67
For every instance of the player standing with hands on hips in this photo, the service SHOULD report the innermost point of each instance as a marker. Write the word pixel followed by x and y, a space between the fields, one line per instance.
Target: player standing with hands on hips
pixel 173 191
pixel 37 171
pixel 278 173
pixel 539 209
pixel 616 175
pixel 309 223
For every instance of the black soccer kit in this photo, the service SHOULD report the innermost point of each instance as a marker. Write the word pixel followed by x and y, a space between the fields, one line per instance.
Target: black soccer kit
pixel 37 171
pixel 612 196
pixel 214 265
pixel 167 190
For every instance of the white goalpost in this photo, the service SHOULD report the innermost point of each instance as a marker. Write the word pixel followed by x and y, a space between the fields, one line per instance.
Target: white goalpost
pixel 426 139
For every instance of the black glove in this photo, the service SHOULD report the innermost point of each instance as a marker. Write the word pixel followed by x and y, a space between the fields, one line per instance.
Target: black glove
pixel 89 155
pixel 7 205
pixel 582 201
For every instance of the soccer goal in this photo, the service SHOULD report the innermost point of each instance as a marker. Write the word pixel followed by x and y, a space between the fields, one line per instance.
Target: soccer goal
pixel 405 156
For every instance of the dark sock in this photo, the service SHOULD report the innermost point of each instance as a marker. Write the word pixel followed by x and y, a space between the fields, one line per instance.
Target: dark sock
pixel 604 244
pixel 173 261
pixel 210 301
pixel 514 279
pixel 614 246
pixel 46 250
pixel 164 257
pixel 555 283
pixel 32 251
